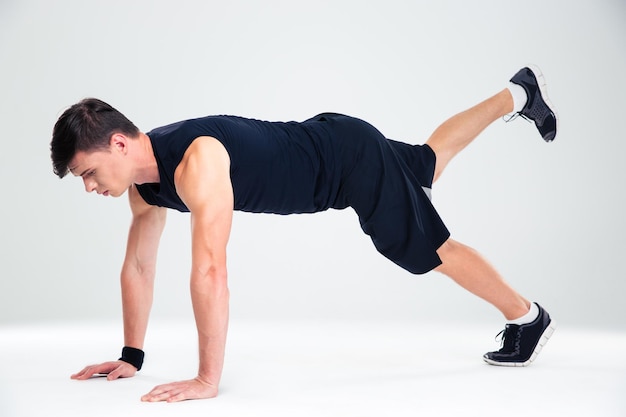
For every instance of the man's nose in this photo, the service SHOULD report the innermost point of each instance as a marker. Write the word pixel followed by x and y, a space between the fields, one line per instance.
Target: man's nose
pixel 90 185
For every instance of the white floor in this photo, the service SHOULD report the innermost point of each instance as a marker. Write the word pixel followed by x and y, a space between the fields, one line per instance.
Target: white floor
pixel 317 369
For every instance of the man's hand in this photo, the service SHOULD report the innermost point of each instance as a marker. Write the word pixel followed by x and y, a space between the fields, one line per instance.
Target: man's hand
pixel 113 370
pixel 192 389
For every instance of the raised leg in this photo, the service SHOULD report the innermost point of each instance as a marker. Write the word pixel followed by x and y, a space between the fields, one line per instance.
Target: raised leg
pixel 460 130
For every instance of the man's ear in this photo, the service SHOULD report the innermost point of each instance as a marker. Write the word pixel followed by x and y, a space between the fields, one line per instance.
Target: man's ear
pixel 119 143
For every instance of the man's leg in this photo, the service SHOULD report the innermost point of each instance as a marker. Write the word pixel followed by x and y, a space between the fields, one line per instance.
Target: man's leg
pixel 472 272
pixel 531 103
pixel 465 266
pixel 529 326
pixel 461 263
pixel 456 133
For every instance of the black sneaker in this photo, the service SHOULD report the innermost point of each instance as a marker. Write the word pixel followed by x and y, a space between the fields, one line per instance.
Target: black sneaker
pixel 538 107
pixel 522 343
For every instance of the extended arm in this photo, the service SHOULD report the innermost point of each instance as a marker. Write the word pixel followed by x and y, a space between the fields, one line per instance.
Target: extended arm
pixel 203 183
pixel 137 282
pixel 139 268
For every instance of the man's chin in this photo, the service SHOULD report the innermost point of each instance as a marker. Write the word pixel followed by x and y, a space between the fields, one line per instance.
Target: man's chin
pixel 116 193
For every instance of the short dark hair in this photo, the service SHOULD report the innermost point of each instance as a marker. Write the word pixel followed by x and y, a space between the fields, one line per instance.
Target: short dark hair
pixel 86 126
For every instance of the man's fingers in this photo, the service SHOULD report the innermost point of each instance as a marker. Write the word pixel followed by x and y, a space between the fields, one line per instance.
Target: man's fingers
pixel 155 393
pixel 85 373
pixel 113 370
pixel 114 374
pixel 167 392
pixel 178 397
pixel 180 391
pixel 123 370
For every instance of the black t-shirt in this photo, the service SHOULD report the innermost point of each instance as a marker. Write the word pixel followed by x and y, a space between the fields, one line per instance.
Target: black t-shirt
pixel 276 167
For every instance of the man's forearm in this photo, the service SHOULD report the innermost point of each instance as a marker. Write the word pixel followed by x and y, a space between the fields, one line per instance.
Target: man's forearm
pixel 210 297
pixel 137 290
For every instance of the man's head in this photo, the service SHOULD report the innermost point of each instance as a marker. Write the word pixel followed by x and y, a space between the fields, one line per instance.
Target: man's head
pixel 87 140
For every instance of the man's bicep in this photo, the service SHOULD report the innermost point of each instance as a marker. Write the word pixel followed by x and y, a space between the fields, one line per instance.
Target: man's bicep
pixel 211 220
pixel 203 183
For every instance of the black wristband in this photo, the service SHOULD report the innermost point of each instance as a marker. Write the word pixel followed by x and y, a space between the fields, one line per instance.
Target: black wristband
pixel 133 356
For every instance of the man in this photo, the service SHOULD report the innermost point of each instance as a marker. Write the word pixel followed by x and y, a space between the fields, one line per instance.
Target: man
pixel 214 165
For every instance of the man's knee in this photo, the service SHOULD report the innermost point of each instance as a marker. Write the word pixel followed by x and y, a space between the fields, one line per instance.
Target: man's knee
pixel 447 253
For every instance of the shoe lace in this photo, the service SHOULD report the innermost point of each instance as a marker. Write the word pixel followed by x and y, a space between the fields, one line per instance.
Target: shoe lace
pixel 509 118
pixel 507 341
pixel 501 339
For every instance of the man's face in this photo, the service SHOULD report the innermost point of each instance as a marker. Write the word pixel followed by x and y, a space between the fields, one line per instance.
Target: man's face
pixel 104 172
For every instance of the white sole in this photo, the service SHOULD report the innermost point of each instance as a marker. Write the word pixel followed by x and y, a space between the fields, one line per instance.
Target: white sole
pixel 543 339
pixel 541 83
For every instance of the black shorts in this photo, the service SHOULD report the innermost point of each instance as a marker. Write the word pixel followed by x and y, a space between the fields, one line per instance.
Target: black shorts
pixel 386 182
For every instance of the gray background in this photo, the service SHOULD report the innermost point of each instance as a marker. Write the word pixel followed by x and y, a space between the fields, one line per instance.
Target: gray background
pixel 550 217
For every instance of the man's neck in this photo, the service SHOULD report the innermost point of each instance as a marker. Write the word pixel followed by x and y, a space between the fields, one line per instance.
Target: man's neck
pixel 147 168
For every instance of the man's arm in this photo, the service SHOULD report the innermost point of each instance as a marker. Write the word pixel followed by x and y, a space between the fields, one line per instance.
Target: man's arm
pixel 203 182
pixel 139 267
pixel 137 282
